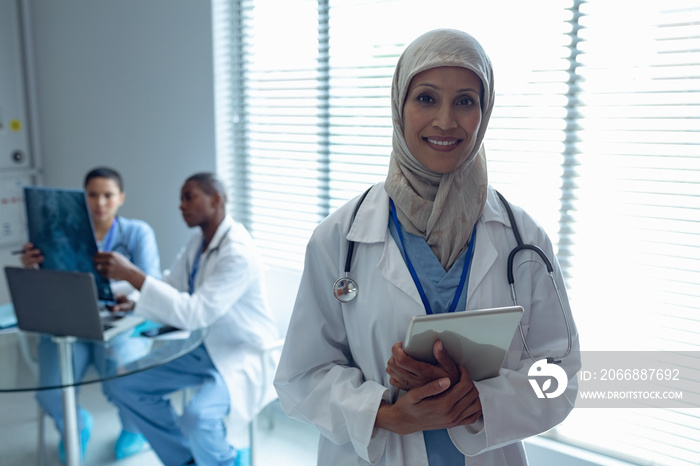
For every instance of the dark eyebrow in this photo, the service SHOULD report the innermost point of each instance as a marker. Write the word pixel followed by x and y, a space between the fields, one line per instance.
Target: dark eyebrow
pixel 459 91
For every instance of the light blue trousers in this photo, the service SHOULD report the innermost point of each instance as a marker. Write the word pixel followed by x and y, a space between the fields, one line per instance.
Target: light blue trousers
pixel 200 432
pixel 84 354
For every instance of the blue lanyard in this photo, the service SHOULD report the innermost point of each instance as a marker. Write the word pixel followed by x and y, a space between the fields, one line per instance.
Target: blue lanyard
pixel 195 267
pixel 465 268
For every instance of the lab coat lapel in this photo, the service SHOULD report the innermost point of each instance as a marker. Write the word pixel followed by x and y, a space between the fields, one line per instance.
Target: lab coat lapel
pixel 371 226
pixel 393 268
pixel 204 263
pixel 485 254
pixel 486 249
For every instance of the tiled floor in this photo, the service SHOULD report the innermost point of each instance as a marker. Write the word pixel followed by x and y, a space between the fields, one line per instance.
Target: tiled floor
pixel 279 440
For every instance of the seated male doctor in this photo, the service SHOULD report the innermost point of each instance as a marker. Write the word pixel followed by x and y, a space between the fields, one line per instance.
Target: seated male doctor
pixel 215 283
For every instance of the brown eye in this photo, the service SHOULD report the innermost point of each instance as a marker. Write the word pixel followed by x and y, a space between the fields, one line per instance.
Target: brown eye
pixel 424 98
pixel 466 100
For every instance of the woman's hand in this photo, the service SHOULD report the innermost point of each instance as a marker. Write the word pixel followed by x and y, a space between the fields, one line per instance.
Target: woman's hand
pixel 116 266
pixel 436 405
pixel 31 257
pixel 407 373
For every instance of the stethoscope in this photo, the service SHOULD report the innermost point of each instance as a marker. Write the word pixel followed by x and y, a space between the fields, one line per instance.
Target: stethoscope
pixel 121 247
pixel 550 271
pixel 345 289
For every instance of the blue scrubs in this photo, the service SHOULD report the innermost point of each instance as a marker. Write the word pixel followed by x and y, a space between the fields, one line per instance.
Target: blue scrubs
pixel 135 240
pixel 440 288
pixel 199 433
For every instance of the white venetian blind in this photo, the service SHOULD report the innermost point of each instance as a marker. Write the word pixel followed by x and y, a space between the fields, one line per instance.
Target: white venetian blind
pixel 635 243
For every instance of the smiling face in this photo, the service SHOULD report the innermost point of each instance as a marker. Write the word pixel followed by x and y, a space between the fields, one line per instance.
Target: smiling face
pixel 104 199
pixel 441 115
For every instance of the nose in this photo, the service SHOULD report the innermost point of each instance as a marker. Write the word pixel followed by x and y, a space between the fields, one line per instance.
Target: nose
pixel 444 118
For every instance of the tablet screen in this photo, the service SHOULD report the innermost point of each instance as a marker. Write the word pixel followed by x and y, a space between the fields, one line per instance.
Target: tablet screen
pixel 479 339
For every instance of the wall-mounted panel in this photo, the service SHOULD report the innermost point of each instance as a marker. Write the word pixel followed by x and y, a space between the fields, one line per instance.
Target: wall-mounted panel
pixel 14 125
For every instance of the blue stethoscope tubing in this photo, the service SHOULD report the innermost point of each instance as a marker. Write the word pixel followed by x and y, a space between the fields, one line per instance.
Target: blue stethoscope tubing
pixel 121 246
pixel 345 289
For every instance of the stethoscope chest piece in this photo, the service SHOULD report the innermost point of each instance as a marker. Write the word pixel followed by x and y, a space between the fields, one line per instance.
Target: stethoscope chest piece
pixel 345 289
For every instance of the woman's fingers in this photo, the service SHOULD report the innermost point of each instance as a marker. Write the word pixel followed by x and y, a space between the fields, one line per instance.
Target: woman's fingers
pixel 429 390
pixel 445 362
pixel 467 405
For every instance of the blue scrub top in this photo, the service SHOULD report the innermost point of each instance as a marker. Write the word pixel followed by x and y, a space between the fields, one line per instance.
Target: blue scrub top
pixel 440 288
pixel 136 240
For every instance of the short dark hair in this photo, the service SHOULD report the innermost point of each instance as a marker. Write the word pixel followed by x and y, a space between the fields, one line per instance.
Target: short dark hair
pixel 105 172
pixel 210 184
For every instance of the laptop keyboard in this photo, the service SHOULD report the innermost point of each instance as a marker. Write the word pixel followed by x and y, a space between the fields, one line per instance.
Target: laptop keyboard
pixel 108 320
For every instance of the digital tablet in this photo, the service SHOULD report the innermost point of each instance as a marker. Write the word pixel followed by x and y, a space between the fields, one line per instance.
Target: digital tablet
pixel 478 340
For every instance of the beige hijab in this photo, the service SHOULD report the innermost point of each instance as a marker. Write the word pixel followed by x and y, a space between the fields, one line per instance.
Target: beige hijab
pixel 442 208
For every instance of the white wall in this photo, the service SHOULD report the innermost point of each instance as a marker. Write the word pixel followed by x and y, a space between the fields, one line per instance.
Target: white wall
pixel 14 138
pixel 129 84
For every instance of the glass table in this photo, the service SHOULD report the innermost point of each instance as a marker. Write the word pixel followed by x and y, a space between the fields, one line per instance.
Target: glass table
pixel 125 354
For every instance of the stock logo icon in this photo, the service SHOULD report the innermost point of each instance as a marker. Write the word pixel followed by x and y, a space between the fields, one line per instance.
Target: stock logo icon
pixel 548 371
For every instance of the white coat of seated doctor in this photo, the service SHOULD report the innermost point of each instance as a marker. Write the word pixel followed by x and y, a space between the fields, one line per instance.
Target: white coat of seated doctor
pixel 215 282
pixel 343 368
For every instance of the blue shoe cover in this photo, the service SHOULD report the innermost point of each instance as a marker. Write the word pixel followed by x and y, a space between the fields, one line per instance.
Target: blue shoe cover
pixel 129 444
pixel 242 457
pixel 86 419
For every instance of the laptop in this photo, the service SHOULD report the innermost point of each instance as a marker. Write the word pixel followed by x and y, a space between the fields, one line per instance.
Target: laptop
pixel 63 303
pixel 59 224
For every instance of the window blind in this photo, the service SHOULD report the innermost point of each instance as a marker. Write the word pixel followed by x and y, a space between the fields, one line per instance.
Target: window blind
pixel 596 132
pixel 635 257
pixel 273 165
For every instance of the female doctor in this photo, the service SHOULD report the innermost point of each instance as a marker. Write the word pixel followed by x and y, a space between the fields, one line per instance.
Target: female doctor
pixel 433 224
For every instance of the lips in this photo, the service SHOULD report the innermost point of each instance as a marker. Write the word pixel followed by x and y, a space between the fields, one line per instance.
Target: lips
pixel 443 142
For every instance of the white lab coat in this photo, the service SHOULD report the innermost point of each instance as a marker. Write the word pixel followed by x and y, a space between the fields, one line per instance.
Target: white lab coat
pixel 332 370
pixel 229 300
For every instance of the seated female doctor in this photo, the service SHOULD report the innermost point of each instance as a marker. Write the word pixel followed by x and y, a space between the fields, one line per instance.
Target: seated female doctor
pixel 343 368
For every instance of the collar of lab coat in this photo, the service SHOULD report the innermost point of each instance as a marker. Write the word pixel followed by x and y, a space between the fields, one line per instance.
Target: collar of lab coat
pixel 371 225
pixel 371 220
pixel 221 230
